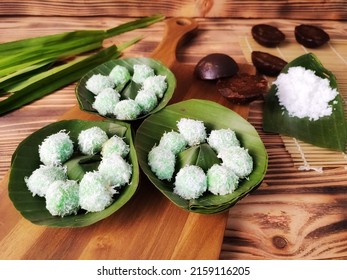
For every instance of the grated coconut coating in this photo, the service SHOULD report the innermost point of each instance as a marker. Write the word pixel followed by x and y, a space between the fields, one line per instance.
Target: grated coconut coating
pixel 162 162
pixel 116 170
pixel 238 160
pixel 127 109
pixel 156 84
pixel 95 192
pixel 62 198
pixel 141 73
pixel 119 75
pixel 190 182
pixel 39 181
pixel 173 141
pixel 221 180
pixel 96 83
pixel 115 145
pixel 56 149
pixel 193 131
pixel 147 100
pixel 105 101
pixel 304 94
pixel 90 141
pixel 222 139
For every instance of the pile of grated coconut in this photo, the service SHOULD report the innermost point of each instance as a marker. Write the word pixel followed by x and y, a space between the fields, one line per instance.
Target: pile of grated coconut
pixel 304 94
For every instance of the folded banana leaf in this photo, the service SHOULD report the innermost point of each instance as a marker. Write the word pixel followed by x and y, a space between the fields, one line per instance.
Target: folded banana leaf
pixel 218 117
pixel 86 98
pixel 327 132
pixel 26 159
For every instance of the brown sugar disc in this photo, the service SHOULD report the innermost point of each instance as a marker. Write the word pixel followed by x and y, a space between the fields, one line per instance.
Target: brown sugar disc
pixel 311 36
pixel 215 66
pixel 243 87
pixel 267 64
pixel 267 35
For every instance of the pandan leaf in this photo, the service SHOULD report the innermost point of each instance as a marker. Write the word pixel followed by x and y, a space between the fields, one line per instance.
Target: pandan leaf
pixel 218 117
pixel 327 132
pixel 26 159
pixel 86 98
pixel 44 83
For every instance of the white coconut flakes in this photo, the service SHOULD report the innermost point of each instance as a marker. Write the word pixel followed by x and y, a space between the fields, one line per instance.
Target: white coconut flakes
pixel 304 94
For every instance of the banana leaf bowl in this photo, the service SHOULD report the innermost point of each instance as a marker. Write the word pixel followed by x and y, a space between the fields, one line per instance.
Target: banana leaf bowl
pixel 26 159
pixel 152 128
pixel 129 91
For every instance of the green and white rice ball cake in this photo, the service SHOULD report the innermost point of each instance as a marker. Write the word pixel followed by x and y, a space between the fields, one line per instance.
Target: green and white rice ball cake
pixel 56 149
pixel 127 109
pixel 221 180
pixel 39 181
pixel 116 170
pixel 62 198
pixel 156 84
pixel 193 131
pixel 222 139
pixel 173 141
pixel 190 182
pixel 119 75
pixel 162 162
pixel 147 100
pixel 115 145
pixel 97 82
pixel 141 73
pixel 238 160
pixel 90 140
pixel 105 101
pixel 95 192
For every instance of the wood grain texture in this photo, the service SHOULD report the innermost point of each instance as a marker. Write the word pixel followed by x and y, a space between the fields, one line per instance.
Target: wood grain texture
pixel 294 9
pixel 293 215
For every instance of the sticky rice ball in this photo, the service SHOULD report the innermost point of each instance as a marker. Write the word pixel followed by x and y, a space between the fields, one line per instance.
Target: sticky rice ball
pixel 190 182
pixel 116 170
pixel 115 145
pixel 56 149
pixel 39 181
pixel 62 198
pixel 147 100
pixel 95 192
pixel 221 180
pixel 127 109
pixel 193 131
pixel 162 162
pixel 156 84
pixel 96 83
pixel 222 139
pixel 90 140
pixel 105 101
pixel 238 160
pixel 173 141
pixel 141 73
pixel 119 75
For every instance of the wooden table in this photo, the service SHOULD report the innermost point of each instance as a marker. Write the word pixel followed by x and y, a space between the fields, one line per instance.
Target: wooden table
pixel 294 214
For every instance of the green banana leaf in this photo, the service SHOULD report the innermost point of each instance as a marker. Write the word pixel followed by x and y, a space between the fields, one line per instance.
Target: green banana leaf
pixel 218 117
pixel 26 159
pixel 327 132
pixel 86 98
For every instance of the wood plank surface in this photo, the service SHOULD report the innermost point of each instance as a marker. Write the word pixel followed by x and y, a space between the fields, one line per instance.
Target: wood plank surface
pixel 293 215
pixel 294 9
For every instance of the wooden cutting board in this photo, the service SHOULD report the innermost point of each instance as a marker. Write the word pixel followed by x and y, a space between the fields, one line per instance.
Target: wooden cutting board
pixel 147 227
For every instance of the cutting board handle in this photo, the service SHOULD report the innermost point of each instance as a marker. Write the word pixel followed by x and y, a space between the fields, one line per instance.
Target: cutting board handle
pixel 176 30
